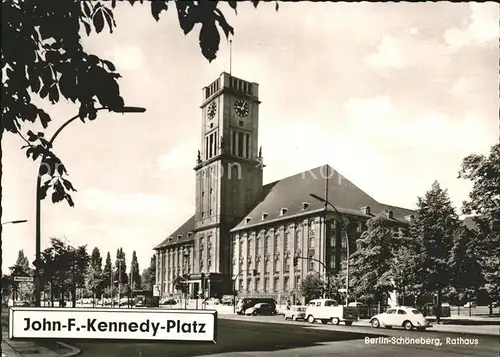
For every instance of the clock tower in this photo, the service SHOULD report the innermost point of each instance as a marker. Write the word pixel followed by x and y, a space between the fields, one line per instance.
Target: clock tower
pixel 228 172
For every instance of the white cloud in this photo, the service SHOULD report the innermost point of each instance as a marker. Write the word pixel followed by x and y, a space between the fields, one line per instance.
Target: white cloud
pixel 387 55
pixel 483 27
pixel 126 204
pixel 182 156
pixel 126 57
pixel 380 119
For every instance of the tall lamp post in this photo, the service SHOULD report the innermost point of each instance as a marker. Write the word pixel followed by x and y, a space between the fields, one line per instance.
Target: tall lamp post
pixel 37 262
pixel 346 238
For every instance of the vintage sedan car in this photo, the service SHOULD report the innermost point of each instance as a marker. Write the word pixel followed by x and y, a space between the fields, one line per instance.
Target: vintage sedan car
pixel 401 316
pixel 261 309
pixel 295 313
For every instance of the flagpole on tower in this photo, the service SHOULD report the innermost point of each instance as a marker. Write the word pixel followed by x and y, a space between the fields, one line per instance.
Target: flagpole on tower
pixel 230 55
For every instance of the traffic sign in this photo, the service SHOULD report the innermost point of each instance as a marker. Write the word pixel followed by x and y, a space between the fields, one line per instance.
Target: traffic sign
pixel 23 278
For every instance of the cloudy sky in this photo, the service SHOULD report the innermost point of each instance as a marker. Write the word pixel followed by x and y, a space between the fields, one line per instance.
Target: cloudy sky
pixel 392 96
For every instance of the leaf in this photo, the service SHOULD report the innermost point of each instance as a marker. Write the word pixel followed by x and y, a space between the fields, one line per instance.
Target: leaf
pixel 43 190
pixel 98 20
pixel 277 5
pixel 113 3
pixel 108 15
pixel 188 16
pixel 58 194
pixel 209 40
pixel 35 83
pixel 87 9
pixel 228 29
pixel 233 5
pixel 157 7
pixel 44 118
pixel 54 94
pixel 68 185
pixel 110 65
pixel 255 3
pixel 32 136
pixel 88 28
pixel 61 169
pixel 68 199
pixel 44 91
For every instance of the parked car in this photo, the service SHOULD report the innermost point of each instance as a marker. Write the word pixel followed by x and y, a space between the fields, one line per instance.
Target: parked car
pixel 327 310
pixel 169 301
pixel 246 303
pixel 261 308
pixel 363 309
pixel 227 300
pixel 401 316
pixel 470 304
pixel 295 313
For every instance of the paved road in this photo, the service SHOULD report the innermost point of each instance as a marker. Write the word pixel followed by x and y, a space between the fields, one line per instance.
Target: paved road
pixel 257 337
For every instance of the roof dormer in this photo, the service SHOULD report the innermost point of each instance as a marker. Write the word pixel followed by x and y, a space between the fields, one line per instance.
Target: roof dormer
pixel 409 217
pixel 283 211
pixel 264 216
pixel 366 210
pixel 248 219
pixel 389 214
pixel 179 236
pixel 190 234
pixel 305 205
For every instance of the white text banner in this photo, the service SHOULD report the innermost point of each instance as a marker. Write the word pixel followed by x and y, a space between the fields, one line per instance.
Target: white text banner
pixel 121 324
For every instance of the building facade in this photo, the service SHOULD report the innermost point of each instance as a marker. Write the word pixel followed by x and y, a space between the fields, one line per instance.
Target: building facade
pixel 243 234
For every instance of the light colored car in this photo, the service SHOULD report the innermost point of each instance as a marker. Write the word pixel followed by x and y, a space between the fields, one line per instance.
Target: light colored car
pixel 295 313
pixel 471 304
pixel 401 316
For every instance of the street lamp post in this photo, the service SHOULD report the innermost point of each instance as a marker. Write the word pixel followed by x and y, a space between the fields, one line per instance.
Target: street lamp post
pixel 346 238
pixel 15 222
pixel 254 273
pixel 38 224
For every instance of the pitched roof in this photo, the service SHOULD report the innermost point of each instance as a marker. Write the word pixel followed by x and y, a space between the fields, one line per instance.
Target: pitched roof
pixel 182 231
pixel 291 192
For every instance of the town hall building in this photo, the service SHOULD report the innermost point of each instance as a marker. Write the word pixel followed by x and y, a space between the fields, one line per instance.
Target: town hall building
pixel 244 234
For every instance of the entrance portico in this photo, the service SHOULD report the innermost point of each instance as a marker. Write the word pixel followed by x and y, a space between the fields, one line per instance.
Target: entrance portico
pixel 209 284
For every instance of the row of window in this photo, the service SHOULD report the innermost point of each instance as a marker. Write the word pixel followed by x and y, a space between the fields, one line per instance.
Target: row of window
pixel 275 263
pixel 241 144
pixel 240 85
pixel 276 240
pixel 211 145
pixel 254 284
pixel 213 88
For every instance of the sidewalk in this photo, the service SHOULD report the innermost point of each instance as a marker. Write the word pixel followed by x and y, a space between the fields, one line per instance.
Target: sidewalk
pixel 489 330
pixel 12 348
pixel 467 320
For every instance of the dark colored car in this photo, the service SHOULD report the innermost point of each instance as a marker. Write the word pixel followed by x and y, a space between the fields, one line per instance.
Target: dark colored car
pixel 246 303
pixel 169 302
pixel 261 309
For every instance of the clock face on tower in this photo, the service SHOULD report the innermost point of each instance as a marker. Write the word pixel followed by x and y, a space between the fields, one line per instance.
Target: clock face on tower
pixel 212 110
pixel 241 108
